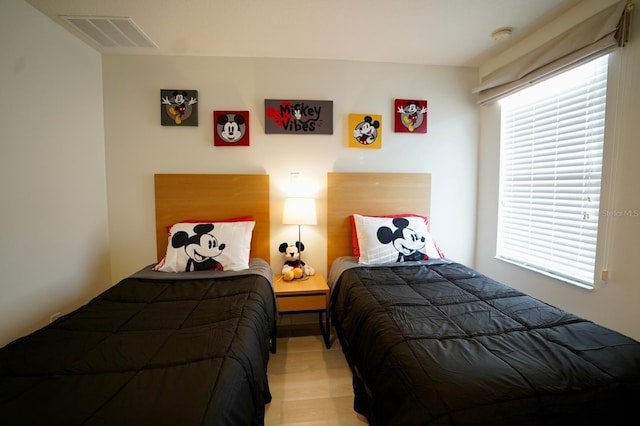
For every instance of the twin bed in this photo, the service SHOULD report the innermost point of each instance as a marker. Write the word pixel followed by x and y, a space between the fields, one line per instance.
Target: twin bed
pixel 159 348
pixel 435 342
pixel 428 341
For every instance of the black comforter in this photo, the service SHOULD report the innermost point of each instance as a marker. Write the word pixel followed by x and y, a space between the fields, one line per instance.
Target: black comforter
pixel 147 352
pixel 441 344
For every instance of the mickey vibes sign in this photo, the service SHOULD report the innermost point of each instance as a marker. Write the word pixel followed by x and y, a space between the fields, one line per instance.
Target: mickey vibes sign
pixel 298 117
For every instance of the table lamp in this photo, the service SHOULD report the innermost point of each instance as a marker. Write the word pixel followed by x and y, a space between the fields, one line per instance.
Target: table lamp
pixel 299 211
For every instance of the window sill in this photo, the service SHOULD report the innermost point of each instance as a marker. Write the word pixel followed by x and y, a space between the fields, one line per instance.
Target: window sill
pixel 564 279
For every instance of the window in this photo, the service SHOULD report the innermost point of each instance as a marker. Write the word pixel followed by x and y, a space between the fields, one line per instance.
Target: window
pixel 550 172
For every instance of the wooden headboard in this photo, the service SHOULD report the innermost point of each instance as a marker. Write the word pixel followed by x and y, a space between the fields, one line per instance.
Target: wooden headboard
pixel 182 197
pixel 370 194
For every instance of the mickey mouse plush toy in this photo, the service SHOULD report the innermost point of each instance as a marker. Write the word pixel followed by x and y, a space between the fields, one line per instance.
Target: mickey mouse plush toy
pixel 294 267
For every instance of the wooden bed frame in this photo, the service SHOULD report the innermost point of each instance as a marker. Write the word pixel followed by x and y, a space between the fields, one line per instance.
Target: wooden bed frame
pixel 370 194
pixel 180 197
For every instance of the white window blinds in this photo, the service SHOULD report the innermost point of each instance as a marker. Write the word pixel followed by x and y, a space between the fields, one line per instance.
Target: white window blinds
pixel 550 172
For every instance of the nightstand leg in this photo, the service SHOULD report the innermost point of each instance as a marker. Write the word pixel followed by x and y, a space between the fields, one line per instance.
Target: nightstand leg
pixel 274 336
pixel 325 328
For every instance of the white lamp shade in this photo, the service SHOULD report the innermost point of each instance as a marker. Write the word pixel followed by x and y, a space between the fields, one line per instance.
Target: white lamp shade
pixel 299 211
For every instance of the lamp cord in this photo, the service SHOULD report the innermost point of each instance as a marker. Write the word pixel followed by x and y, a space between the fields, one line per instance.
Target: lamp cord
pixel 300 250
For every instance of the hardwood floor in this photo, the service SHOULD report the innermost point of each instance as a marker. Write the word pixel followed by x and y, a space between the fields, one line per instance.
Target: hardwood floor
pixel 310 385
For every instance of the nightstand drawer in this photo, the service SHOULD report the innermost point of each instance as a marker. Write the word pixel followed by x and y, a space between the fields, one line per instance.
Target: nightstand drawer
pixel 302 303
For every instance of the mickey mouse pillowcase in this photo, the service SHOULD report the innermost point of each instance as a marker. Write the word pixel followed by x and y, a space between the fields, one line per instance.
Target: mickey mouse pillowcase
pixel 222 246
pixel 394 239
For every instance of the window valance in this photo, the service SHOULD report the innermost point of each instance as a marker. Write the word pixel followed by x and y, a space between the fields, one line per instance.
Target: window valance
pixel 596 36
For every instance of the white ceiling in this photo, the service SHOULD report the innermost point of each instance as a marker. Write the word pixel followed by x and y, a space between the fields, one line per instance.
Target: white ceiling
pixel 436 32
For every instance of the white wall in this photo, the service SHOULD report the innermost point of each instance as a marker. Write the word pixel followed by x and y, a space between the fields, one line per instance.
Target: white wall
pixel 613 303
pixel 55 245
pixel 137 146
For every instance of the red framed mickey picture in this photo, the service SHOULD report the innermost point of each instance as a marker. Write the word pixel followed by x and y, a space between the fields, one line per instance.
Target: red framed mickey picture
pixel 231 128
pixel 410 116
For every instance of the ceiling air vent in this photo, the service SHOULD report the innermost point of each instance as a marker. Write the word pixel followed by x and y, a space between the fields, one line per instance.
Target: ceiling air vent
pixel 111 31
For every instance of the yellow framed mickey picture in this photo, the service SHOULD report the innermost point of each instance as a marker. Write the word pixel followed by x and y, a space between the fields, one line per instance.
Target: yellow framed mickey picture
pixel 365 131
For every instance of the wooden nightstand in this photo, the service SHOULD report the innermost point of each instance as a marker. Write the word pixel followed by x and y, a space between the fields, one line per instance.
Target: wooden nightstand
pixel 306 295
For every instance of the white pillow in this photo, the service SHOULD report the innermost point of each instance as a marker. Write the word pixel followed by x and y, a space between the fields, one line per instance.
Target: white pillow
pixel 394 239
pixel 208 246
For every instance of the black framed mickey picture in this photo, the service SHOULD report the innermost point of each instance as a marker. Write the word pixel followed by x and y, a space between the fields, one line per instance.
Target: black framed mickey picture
pixel 178 107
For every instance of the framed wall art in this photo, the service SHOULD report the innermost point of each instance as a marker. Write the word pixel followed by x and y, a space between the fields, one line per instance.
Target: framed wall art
pixel 298 117
pixel 410 116
pixel 365 131
pixel 178 107
pixel 231 128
